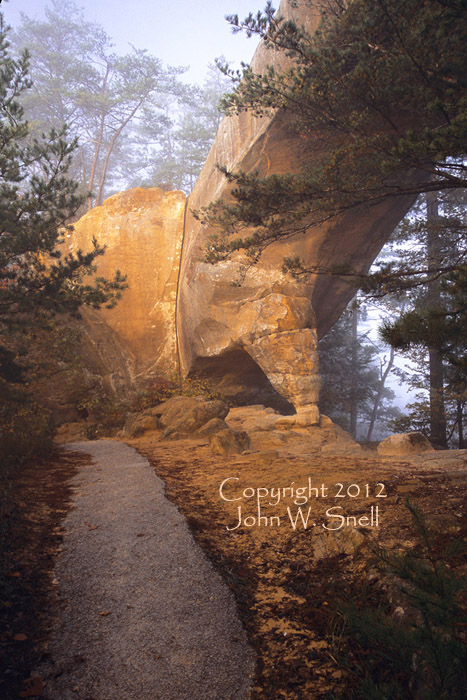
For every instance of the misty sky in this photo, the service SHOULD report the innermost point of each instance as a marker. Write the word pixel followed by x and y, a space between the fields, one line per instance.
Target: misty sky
pixel 179 32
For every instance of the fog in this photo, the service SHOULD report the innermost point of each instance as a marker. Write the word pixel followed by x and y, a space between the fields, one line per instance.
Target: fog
pixel 181 33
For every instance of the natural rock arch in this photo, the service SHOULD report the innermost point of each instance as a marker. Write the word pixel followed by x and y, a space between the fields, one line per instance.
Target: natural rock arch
pixel 182 313
pixel 276 319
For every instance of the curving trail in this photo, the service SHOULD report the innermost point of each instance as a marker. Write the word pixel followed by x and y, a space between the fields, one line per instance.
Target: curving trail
pixel 142 613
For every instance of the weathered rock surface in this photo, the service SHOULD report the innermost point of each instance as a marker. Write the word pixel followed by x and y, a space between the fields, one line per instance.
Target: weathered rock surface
pixel 270 317
pixel 268 429
pixel 184 415
pixel 258 341
pixel 138 423
pixel 213 426
pixel 227 442
pixel 142 230
pixel 404 444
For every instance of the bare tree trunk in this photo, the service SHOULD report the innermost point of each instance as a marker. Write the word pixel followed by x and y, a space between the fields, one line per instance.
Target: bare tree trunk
pixel 437 411
pixel 460 425
pixel 353 385
pixel 379 395
pixel 99 138
pixel 94 161
pixel 110 149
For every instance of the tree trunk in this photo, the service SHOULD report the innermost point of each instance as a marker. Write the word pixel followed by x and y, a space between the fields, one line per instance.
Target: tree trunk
pixel 379 395
pixel 94 162
pixel 460 425
pixel 437 411
pixel 110 149
pixel 99 138
pixel 354 371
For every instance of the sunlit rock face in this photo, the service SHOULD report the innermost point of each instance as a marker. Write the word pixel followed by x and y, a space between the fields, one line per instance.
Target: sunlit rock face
pixel 257 341
pixel 142 230
pixel 274 319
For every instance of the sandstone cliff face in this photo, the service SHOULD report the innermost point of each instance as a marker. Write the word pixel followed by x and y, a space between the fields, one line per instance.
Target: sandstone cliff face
pixel 142 230
pixel 258 341
pixel 273 319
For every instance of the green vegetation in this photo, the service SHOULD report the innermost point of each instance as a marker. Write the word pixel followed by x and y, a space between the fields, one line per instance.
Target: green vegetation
pixel 354 373
pixel 409 643
pixel 135 122
pixel 423 270
pixel 160 388
pixel 37 281
pixel 383 84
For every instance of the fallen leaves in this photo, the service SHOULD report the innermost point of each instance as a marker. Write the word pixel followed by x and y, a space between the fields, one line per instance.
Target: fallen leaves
pixel 33 687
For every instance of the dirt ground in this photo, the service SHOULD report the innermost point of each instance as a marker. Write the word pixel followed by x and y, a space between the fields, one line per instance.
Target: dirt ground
pixel 287 579
pixel 36 502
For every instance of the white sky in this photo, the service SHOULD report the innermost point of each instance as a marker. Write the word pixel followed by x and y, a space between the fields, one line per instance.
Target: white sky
pixel 179 32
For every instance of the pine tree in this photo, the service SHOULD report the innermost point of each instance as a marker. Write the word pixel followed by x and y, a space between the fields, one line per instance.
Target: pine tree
pixel 80 81
pixel 435 323
pixel 354 391
pixel 36 201
pixel 382 83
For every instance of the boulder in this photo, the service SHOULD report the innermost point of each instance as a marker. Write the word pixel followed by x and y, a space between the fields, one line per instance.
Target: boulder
pixel 228 441
pixel 142 230
pixel 184 415
pixel 257 417
pixel 138 423
pixel 213 426
pixel 404 444
pixel 302 433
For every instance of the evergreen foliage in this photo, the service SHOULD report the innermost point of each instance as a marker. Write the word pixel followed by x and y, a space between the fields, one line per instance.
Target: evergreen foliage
pixel 37 199
pixel 354 393
pixel 430 271
pixel 135 122
pixel 419 654
pixel 175 145
pixel 80 81
pixel 383 84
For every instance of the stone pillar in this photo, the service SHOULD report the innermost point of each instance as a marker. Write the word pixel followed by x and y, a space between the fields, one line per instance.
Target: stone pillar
pixel 290 361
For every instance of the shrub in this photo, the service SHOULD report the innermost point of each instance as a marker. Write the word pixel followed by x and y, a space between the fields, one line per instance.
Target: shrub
pixel 159 389
pixel 26 432
pixel 420 654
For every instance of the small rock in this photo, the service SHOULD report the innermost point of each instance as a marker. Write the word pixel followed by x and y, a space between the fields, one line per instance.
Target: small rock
pixel 404 444
pixel 345 541
pixel 213 426
pixel 139 423
pixel 229 442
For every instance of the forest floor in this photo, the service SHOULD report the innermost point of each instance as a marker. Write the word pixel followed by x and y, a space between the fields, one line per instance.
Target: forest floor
pixel 34 500
pixel 136 612
pixel 289 582
pixel 287 579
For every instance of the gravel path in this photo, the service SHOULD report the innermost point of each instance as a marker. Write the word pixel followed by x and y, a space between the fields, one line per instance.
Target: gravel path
pixel 143 615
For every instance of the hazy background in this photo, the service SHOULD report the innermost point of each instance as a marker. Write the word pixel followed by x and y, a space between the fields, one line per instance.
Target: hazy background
pixel 180 33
